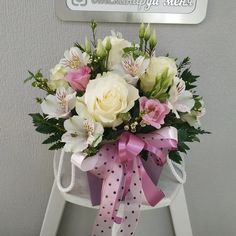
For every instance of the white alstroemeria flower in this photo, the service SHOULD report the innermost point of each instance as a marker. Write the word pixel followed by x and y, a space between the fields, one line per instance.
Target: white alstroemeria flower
pixel 59 105
pixel 74 59
pixel 180 100
pixel 132 69
pixel 193 118
pixel 81 133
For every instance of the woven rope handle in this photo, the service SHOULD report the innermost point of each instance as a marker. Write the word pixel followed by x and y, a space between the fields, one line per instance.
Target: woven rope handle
pixel 58 172
pixel 173 165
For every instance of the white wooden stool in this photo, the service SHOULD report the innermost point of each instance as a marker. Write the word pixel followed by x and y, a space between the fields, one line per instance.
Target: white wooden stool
pixel 170 185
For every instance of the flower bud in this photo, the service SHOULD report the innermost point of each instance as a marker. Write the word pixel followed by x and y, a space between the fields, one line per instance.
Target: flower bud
pixel 87 45
pixel 101 52
pixel 147 32
pixel 141 30
pixel 153 40
pixel 93 25
pixel 108 44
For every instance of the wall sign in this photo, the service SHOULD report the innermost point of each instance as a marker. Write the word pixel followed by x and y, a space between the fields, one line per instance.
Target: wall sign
pixel 133 11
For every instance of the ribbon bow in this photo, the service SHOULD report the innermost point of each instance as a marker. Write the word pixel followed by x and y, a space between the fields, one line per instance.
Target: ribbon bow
pixel 125 178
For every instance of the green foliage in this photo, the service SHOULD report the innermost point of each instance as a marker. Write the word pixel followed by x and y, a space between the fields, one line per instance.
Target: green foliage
pixel 78 45
pixel 111 134
pixel 189 79
pixel 186 62
pixel 134 51
pixel 186 134
pixel 186 74
pixel 91 151
pixel 53 127
pixel 39 81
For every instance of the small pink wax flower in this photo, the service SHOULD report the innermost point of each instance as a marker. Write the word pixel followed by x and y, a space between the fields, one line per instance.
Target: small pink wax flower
pixel 154 112
pixel 78 79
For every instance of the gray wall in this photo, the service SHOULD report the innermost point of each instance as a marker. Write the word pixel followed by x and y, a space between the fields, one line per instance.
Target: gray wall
pixel 31 37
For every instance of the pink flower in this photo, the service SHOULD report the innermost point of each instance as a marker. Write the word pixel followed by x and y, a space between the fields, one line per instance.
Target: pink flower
pixel 153 111
pixel 78 79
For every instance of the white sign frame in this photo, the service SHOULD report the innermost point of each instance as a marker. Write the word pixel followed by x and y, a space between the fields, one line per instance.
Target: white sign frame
pixel 65 11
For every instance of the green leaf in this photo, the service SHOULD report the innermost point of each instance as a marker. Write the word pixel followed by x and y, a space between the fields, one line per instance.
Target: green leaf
pixel 175 156
pixel 184 63
pixel 189 79
pixel 49 126
pixel 45 129
pixel 52 139
pixel 78 45
pixel 57 146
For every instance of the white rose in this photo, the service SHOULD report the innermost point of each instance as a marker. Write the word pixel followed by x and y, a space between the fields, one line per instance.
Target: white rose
pixel 107 96
pixel 156 67
pixel 116 52
pixel 57 77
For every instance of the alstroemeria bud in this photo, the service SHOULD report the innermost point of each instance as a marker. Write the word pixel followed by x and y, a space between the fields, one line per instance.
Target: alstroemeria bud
pixel 87 45
pixel 101 51
pixel 147 33
pixel 108 44
pixel 141 30
pixel 153 40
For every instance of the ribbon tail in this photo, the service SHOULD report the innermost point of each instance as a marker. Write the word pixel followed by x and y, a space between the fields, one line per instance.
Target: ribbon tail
pixel 152 193
pixel 132 204
pixel 109 202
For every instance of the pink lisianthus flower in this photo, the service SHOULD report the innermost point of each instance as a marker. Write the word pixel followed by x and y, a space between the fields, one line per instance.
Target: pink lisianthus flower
pixel 154 112
pixel 78 79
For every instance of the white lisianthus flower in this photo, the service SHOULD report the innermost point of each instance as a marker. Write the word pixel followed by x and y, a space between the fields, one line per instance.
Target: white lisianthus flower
pixel 59 105
pixel 81 133
pixel 180 100
pixel 107 96
pixel 57 77
pixel 132 69
pixel 116 52
pixel 74 59
pixel 157 66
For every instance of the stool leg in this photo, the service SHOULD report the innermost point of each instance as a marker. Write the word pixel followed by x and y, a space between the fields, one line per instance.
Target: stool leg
pixel 180 216
pixel 53 213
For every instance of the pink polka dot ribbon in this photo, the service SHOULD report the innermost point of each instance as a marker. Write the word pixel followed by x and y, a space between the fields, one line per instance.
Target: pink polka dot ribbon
pixel 125 179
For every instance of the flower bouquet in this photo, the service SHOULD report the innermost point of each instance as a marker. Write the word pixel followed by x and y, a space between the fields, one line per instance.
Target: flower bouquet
pixel 116 106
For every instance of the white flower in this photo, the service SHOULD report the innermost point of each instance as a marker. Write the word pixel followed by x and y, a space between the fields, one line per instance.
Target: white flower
pixel 156 67
pixel 116 34
pixel 193 118
pixel 107 96
pixel 180 99
pixel 57 77
pixel 81 133
pixel 116 52
pixel 74 59
pixel 132 69
pixel 81 109
pixel 60 105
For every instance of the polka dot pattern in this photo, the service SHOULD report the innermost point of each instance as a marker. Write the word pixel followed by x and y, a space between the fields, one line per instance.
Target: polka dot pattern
pixel 112 173
pixel 122 182
pixel 133 200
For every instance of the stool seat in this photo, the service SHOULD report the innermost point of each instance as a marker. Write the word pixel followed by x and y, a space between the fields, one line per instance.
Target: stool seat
pixel 80 194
